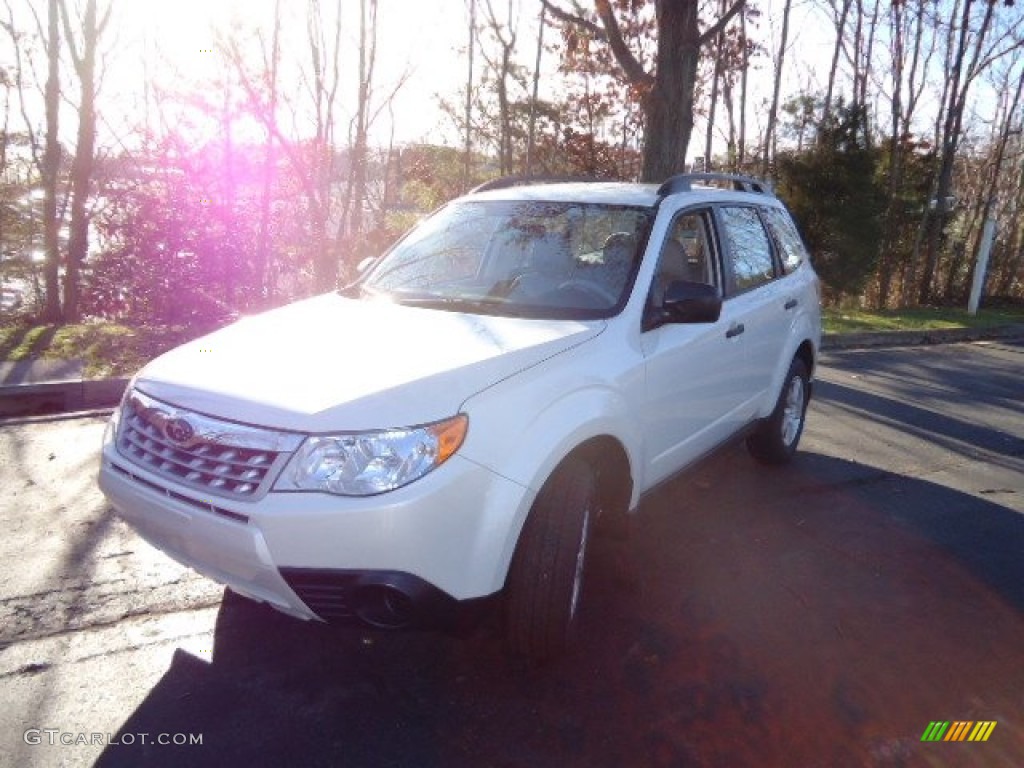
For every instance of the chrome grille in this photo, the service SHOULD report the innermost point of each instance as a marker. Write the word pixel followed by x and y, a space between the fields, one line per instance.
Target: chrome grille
pixel 214 456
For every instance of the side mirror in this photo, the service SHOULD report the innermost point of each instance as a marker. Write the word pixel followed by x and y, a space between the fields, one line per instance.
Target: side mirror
pixel 686 302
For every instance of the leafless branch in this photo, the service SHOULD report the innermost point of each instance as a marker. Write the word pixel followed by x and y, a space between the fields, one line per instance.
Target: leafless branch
pixel 711 32
pixel 571 18
pixel 633 69
pixel 19 80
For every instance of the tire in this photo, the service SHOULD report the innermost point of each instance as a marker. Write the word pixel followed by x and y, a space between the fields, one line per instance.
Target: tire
pixel 545 578
pixel 776 437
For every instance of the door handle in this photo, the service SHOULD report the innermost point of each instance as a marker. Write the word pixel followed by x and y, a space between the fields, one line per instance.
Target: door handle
pixel 791 303
pixel 735 330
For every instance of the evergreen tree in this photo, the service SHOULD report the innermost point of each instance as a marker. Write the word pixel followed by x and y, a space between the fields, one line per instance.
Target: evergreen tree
pixel 833 192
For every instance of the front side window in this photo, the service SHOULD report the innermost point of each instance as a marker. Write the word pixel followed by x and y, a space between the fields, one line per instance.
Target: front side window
pixel 748 247
pixel 517 258
pixel 686 254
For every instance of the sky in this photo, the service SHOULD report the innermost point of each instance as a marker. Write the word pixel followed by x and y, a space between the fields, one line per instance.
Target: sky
pixel 423 40
pixel 427 39
pixel 417 39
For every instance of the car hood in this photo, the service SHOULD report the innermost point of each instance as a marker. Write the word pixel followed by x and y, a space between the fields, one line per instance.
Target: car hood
pixel 335 364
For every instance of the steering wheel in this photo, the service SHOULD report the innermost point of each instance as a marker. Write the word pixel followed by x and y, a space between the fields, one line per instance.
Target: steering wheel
pixel 608 299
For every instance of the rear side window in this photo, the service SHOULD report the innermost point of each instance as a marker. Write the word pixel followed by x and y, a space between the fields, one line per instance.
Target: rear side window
pixel 791 247
pixel 748 247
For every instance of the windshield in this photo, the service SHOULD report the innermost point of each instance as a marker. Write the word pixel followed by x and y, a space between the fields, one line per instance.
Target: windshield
pixel 524 259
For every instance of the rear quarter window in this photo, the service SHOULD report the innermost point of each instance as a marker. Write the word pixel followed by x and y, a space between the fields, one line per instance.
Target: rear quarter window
pixel 749 250
pixel 791 246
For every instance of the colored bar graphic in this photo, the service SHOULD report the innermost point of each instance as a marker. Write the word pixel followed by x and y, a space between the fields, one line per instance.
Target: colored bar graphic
pixel 982 731
pixel 958 730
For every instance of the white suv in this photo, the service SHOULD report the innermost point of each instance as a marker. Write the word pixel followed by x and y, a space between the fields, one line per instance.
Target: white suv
pixel 451 426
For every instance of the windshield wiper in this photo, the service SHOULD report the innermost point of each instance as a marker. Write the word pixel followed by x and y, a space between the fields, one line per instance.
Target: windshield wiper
pixel 452 303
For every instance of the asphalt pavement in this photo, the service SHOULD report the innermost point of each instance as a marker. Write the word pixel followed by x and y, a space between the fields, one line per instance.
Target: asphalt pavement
pixel 822 614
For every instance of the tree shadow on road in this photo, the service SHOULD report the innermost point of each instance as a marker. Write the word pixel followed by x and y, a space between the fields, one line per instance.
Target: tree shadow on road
pixel 994 381
pixel 822 614
pixel 957 435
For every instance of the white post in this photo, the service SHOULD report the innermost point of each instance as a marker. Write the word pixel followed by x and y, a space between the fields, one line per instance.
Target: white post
pixel 988 234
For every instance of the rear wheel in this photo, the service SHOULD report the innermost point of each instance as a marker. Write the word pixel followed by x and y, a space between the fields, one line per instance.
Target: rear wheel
pixel 545 578
pixel 776 438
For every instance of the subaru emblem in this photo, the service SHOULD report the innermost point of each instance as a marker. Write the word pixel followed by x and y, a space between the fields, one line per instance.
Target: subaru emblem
pixel 179 431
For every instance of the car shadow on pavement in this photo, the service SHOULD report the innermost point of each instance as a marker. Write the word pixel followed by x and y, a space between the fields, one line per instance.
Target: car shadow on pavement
pixel 819 615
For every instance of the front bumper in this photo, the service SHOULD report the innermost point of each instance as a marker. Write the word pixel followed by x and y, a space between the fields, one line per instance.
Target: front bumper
pixel 226 550
pixel 401 558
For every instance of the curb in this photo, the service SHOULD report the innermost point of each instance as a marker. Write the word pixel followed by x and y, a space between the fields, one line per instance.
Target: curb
pixel 882 339
pixel 60 397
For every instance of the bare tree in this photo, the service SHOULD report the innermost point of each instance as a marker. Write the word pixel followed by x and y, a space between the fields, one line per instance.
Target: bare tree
pixel 533 98
pixel 973 53
pixel 51 165
pixel 1014 260
pixel 271 65
pixel 741 158
pixel 908 67
pixel 840 22
pixel 311 158
pixel 717 73
pixel 355 188
pixel 83 57
pixel 863 62
pixel 769 133
pixel 504 34
pixel 1007 126
pixel 468 150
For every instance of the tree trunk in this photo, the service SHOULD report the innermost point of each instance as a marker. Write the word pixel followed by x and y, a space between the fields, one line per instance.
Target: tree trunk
pixel 85 149
pixel 468 148
pixel 773 112
pixel 885 262
pixel 51 170
pixel 264 264
pixel 533 98
pixel 830 88
pixel 351 221
pixel 716 75
pixel 367 60
pixel 742 156
pixel 324 60
pixel 730 111
pixel 669 104
pixel 668 101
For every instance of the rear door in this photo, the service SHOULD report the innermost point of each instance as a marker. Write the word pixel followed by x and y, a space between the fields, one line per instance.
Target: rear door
pixel 756 299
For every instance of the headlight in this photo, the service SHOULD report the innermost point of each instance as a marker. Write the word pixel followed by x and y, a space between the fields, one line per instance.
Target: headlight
pixel 366 463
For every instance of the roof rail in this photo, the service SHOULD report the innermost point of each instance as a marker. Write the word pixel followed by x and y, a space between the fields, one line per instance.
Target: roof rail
pixel 683 182
pixel 504 182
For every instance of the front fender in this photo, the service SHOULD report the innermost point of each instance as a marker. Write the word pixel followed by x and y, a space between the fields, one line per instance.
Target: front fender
pixel 514 438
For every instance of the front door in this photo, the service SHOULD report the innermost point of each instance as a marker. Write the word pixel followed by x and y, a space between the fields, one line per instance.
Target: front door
pixel 693 389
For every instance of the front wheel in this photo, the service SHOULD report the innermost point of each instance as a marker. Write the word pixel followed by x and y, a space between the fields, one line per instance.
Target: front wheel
pixel 545 578
pixel 776 438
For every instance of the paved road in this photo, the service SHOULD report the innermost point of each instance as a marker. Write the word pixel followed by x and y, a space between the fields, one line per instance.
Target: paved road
pixel 821 615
